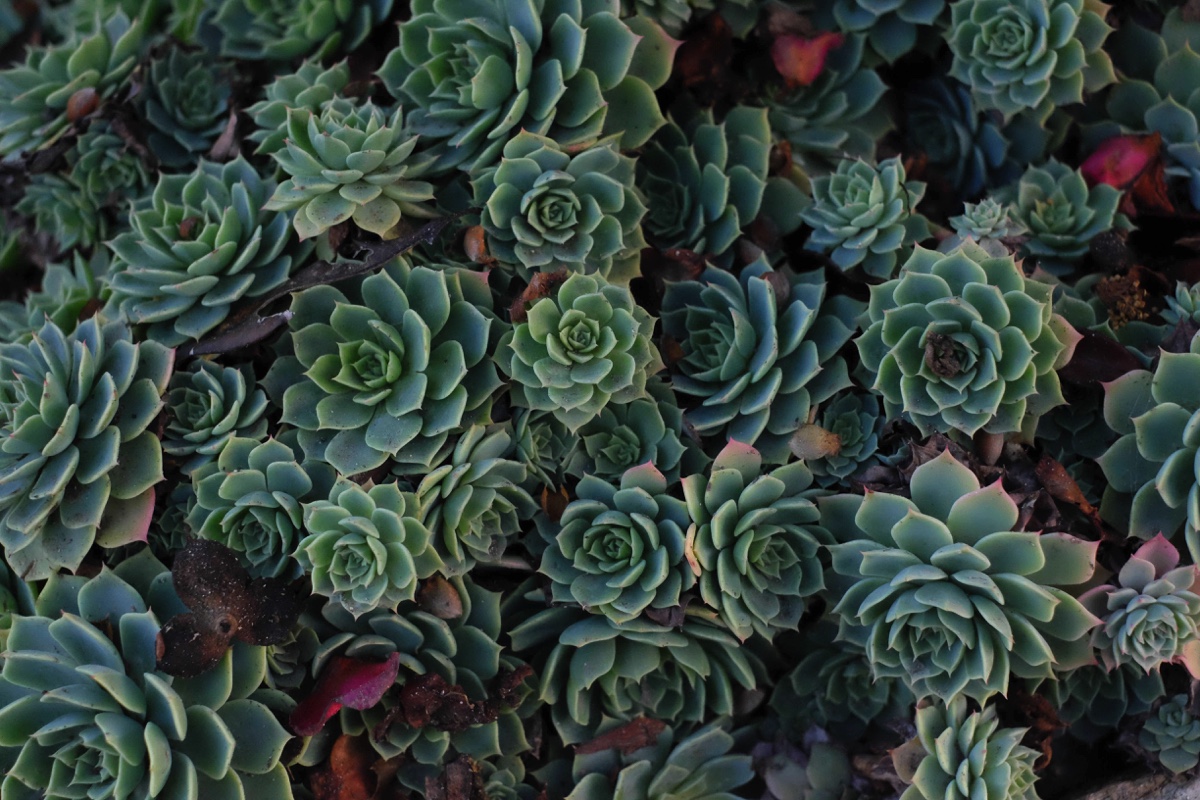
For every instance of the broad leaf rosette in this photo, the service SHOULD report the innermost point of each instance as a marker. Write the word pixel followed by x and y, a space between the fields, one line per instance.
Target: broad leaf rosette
pixel 1172 733
pixel 753 541
pixel 310 87
pixel 945 594
pixel 568 71
pixel 281 30
pixel 77 463
pixel 186 103
pixel 544 207
pixel 209 405
pixel 619 550
pixel 1093 700
pixel 390 369
pixel 544 445
pixel 580 349
pixel 844 438
pixel 1062 214
pixel 757 357
pixel 366 548
pixel 965 342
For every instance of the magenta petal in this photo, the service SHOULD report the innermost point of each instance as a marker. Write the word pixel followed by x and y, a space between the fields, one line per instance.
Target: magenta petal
pixel 351 682
pixel 1120 160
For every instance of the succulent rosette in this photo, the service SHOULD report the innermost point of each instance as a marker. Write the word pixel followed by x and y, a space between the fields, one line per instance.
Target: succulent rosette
pixel 866 215
pixel 202 241
pixel 970 755
pixel 251 498
pixel 351 161
pixel 62 208
pixel 620 548
pixel 34 96
pixel 945 594
pixel 1151 469
pixel 67 290
pixel 544 445
pixel 1093 700
pixel 83 709
pixel 1172 734
pixel 891 27
pixel 544 208
pixel 1062 214
pixel 571 73
pixel 634 433
pixel 987 219
pixel 208 405
pixel 366 548
pixel 1029 54
pixel 186 103
pixel 578 350
pixel 281 30
pixel 757 357
pixel 753 541
pixel 965 341
pixel 1151 613
pixel 843 439
pixel 107 170
pixel 473 503
pixel 390 368
pixel 310 87
pixel 78 463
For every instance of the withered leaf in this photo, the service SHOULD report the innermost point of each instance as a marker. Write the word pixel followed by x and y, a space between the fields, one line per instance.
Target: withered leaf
pixel 628 738
pixel 347 775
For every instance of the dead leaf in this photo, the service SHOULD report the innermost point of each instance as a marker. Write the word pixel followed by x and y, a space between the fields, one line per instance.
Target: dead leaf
pixel 226 145
pixel 475 245
pixel 628 738
pixel 813 442
pixel 801 60
pixel 347 775
pixel 437 596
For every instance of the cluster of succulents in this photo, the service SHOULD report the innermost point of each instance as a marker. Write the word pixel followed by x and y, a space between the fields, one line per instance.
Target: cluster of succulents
pixel 590 399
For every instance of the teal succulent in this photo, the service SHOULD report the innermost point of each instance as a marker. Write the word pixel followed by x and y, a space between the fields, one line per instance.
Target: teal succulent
pixel 790 773
pixel 169 528
pixel 891 27
pixel 700 766
pixel 843 439
pixel 78 464
pixel 64 296
pixel 758 351
pixel 1062 214
pixel 35 94
pixel 544 445
pixel 971 756
pixel 866 215
pixel 1093 700
pixel 987 219
pixel 207 406
pixel 473 503
pixel 105 168
pixel 965 342
pixel 63 210
pixel 1029 54
pixel 251 499
pixel 281 30
pixel 85 713
pixel 672 15
pixel 544 208
pixel 201 242
pixel 186 103
pixel 389 369
pixel 16 599
pixel 1151 469
pixel 1172 734
pixel 595 669
pixel 310 87
pixel 839 115
pixel 620 548
pixel 473 83
pixel 580 349
pixel 352 161
pixel 753 541
pixel 1184 306
pixel 366 548
pixel 704 182
pixel 1151 613
pixel 946 595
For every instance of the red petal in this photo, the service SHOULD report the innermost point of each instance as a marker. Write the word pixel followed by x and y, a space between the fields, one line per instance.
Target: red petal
pixel 350 682
pixel 799 60
pixel 1119 161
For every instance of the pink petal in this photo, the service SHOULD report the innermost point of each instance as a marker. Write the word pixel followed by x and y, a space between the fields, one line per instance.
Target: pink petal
pixel 351 682
pixel 799 60
pixel 1119 161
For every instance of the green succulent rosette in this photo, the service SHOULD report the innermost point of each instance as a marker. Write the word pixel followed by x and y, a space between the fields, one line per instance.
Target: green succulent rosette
pixel 704 182
pixel 839 115
pixel 352 161
pixel 77 462
pixel 201 242
pixel 843 439
pixel 1062 214
pixel 169 528
pixel 1029 54
pixel 82 709
pixel 753 541
pixel 619 550
pixel 63 210
pixel 34 95
pixel 281 30
pixel 311 87
pixel 945 594
pixel 105 168
pixel 186 103
pixel 544 207
pixel 756 355
pixel 965 342
pixel 1151 613
pixel 1093 700
pixel 544 445
pixel 593 669
pixel 1172 734
pixel 970 755
pixel 987 219
pixel 251 499
pixel 866 215
pixel 818 771
pixel 1184 306
pixel 16 599
pixel 568 72
pixel 66 290
pixel 390 368
pixel 366 548
pixel 892 28
pixel 578 350
pixel 208 405
pixel 1151 469
pixel 473 503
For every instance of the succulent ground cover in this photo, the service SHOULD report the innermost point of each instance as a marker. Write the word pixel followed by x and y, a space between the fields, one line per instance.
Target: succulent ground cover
pixel 598 399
